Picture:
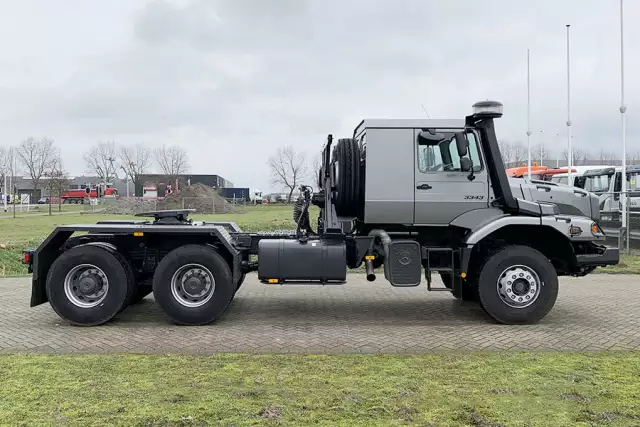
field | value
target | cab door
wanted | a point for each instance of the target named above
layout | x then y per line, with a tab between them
442	190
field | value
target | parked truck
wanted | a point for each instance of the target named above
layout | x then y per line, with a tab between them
81	196
252	195
417	197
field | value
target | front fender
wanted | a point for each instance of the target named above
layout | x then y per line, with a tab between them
486	228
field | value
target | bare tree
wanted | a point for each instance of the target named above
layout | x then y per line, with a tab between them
506	150
4	166
58	180
541	152
100	160
36	156
173	161
135	162
287	168
315	166
579	156
606	156
519	154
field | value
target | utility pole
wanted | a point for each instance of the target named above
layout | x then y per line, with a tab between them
623	114
569	146
528	117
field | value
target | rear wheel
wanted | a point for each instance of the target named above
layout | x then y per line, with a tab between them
518	285
87	285
193	285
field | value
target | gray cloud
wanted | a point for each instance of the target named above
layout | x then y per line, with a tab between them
231	78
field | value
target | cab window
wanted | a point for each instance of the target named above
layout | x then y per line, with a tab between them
442	155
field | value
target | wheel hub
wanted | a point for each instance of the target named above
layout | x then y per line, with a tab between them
86	285
519	286
192	285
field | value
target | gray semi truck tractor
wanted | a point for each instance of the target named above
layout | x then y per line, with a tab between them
405	198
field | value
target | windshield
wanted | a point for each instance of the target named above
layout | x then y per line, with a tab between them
598	183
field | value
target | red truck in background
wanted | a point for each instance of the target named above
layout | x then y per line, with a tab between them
82	196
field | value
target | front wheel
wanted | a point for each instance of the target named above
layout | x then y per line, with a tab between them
518	285
193	285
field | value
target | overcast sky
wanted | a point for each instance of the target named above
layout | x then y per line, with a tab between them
233	80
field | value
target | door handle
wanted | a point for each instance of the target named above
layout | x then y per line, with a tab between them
580	193
543	187
424	187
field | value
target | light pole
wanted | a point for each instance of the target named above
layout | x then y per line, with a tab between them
528	117
569	147
541	147
623	114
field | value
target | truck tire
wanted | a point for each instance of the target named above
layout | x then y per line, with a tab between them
131	281
193	285
348	183
517	285
87	285
240	282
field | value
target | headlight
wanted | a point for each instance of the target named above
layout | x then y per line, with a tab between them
596	230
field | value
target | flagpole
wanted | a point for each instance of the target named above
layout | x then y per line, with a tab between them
569	147
623	114
528	116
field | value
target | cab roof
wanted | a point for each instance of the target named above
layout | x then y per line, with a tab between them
408	124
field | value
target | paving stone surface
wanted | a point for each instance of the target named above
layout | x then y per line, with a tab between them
593	313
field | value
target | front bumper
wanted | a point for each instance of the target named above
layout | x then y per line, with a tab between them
608	256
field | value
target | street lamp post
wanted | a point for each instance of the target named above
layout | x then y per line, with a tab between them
623	114
569	147
528	117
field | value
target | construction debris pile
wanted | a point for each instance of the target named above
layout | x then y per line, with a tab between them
200	197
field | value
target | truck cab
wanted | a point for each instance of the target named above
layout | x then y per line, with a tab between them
607	184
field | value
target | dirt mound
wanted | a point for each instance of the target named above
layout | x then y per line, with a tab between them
200	197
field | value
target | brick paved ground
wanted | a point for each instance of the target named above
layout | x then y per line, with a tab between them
598	312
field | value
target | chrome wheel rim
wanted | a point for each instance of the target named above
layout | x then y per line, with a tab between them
519	286
192	285
86	285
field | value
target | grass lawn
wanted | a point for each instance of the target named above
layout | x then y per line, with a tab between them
481	389
26	231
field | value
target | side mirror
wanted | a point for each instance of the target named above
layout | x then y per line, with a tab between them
465	164
461	143
430	138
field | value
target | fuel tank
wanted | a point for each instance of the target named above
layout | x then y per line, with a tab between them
291	260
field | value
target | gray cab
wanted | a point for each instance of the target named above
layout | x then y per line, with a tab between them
425	181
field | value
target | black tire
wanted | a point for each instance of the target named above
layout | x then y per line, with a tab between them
221	294
131	281
348	182
240	282
499	262
112	268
